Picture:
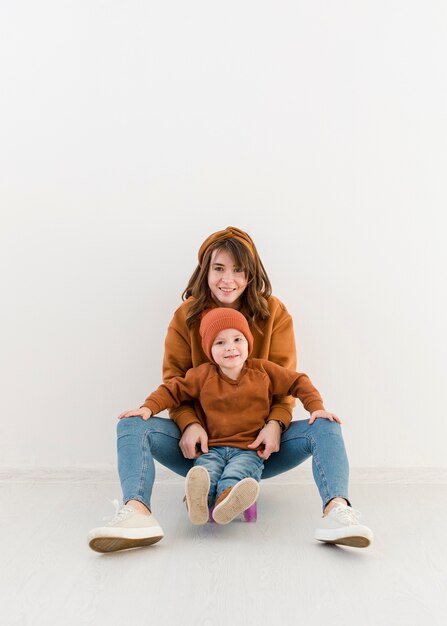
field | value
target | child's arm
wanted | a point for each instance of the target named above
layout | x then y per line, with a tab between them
300	386
170	394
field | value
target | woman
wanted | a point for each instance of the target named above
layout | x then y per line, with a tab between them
229	274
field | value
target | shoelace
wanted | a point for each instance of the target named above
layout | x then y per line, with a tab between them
120	513
347	515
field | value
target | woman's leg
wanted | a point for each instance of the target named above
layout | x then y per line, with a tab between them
139	442
323	441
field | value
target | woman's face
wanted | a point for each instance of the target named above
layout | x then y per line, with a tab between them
226	281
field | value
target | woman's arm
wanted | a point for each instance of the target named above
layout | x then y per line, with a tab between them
178	358
281	350
176	361
276	344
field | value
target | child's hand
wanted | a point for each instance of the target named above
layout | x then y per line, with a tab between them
324	414
144	412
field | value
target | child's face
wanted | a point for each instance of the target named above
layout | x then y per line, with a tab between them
226	281
230	349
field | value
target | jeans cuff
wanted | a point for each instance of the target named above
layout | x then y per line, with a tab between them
330	500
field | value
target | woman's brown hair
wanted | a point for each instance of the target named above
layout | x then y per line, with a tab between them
254	298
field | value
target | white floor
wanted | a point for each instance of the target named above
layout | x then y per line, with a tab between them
269	572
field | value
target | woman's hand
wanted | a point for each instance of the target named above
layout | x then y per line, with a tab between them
270	438
143	412
324	414
194	441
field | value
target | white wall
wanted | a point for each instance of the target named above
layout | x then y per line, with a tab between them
130	130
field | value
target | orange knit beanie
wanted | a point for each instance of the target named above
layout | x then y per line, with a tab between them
219	319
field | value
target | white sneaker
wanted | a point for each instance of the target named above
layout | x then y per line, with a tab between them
128	528
341	525
241	496
196	488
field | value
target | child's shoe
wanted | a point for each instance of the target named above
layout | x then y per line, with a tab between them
341	526
197	488
233	501
128	528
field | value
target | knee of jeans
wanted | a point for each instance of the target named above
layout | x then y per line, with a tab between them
326	427
127	425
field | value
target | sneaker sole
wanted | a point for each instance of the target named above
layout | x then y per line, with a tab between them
197	488
242	496
357	537
105	540
353	542
104	545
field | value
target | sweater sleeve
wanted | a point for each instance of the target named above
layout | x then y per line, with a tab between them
177	356
177	361
175	391
282	350
296	384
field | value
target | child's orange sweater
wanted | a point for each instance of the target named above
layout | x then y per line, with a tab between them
235	410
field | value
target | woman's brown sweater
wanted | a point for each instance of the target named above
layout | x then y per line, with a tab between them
183	350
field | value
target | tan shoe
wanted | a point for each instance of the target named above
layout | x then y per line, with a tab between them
197	488
240	497
127	529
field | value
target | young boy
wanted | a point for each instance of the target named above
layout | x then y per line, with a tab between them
235	394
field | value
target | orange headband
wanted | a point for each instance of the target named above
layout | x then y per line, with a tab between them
229	233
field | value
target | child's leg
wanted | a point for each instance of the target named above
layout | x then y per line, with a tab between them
214	463
197	487
240	464
238	488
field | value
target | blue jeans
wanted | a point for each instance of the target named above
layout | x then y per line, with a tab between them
140	441
227	466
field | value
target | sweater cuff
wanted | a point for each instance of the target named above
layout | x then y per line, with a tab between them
280	415
152	406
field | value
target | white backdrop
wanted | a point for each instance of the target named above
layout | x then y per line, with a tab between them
130	130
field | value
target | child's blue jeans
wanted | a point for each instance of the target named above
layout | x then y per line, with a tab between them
140	442
227	466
